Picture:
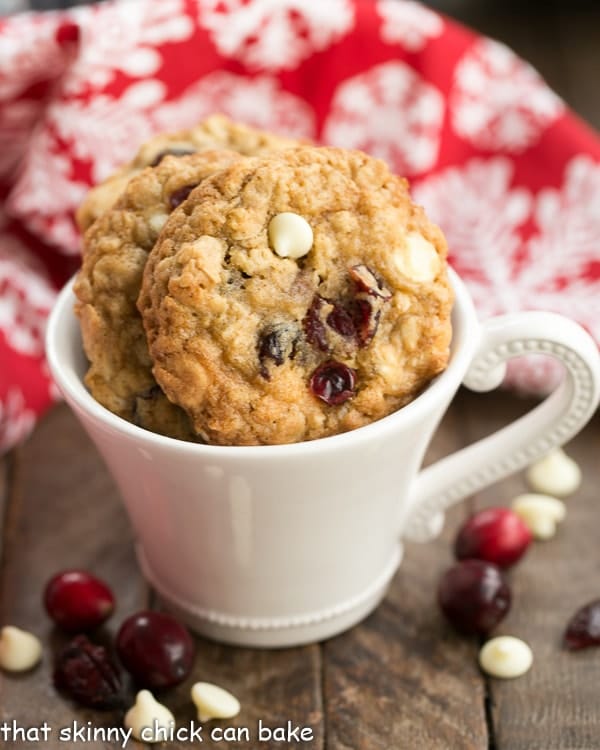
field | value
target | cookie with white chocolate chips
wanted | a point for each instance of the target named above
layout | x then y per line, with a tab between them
107	286
214	132
296	297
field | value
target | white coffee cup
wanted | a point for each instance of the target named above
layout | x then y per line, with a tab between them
281	545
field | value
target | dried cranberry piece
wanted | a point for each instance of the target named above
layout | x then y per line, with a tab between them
366	320
314	327
366	281
178	196
170	152
277	343
333	382
270	346
368	302
88	674
358	319
341	321
583	629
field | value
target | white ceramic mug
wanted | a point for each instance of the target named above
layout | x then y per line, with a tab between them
280	545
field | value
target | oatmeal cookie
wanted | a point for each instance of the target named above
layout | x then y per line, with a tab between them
296	297
107	286
213	133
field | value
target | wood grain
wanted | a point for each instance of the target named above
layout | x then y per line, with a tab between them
273	687
403	679
4	480
63	512
554	706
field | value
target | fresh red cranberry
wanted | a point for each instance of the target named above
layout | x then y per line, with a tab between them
170	152
88	674
333	382
155	649
474	596
178	196
76	600
497	535
583	629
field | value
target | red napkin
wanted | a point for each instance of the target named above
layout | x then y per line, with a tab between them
512	176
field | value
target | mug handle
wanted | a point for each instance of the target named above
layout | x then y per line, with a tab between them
547	426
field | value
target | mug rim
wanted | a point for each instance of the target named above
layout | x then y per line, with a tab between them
72	387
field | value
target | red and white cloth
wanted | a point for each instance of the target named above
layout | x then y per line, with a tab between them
511	175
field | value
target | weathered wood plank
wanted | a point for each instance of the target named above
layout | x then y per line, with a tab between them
63	512
5	462
555	706
402	679
273	687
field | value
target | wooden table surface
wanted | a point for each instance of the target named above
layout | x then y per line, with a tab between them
402	680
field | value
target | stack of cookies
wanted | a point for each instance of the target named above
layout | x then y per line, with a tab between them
242	288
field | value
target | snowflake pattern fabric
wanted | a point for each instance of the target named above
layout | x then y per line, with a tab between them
274	34
29	46
498	101
26	297
124	38
555	266
480	212
409	113
409	23
511	175
259	101
562	272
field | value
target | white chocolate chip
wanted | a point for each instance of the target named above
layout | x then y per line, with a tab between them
540	513
157	222
555	474
19	650
505	657
391	366
213	702
418	259
147	716
290	235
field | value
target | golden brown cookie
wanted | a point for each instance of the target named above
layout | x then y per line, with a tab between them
349	325
107	286
213	133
